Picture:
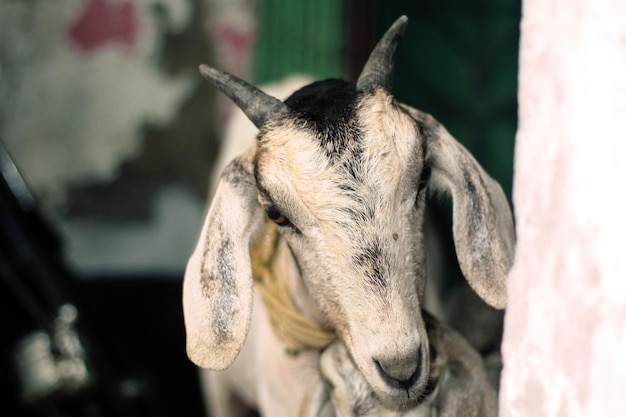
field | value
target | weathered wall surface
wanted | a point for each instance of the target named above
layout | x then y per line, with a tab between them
105	113
80	79
565	329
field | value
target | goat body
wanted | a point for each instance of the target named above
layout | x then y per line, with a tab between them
342	170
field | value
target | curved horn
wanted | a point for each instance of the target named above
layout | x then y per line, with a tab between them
378	70
256	105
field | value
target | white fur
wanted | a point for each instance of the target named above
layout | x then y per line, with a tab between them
359	251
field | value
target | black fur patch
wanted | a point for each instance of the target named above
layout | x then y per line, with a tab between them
328	108
353	163
373	261
237	172
475	213
221	283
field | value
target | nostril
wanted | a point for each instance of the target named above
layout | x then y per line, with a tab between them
400	373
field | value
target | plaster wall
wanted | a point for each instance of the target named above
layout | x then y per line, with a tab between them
565	326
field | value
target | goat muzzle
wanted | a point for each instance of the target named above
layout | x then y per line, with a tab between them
401	373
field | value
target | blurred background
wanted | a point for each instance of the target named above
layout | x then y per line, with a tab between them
108	135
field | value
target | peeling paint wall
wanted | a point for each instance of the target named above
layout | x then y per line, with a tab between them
565	329
80	79
104	112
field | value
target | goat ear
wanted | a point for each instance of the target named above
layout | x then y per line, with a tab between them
484	235
218	287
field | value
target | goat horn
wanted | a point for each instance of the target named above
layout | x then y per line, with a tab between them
378	70
258	106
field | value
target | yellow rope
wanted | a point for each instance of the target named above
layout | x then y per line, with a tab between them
297	331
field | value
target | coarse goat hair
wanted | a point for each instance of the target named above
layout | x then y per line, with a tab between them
338	174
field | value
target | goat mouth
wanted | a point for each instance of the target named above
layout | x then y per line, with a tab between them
403	394
404	398
400	392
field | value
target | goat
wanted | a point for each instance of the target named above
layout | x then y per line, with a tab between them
341	170
458	385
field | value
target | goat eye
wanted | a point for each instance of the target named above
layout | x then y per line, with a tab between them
424	178
277	217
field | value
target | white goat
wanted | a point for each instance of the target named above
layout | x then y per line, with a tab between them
458	385
341	169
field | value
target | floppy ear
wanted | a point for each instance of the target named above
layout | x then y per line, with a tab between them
484	235
218	287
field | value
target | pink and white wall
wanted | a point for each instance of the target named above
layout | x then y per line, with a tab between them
565	328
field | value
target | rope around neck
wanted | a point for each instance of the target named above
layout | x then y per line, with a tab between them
294	329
